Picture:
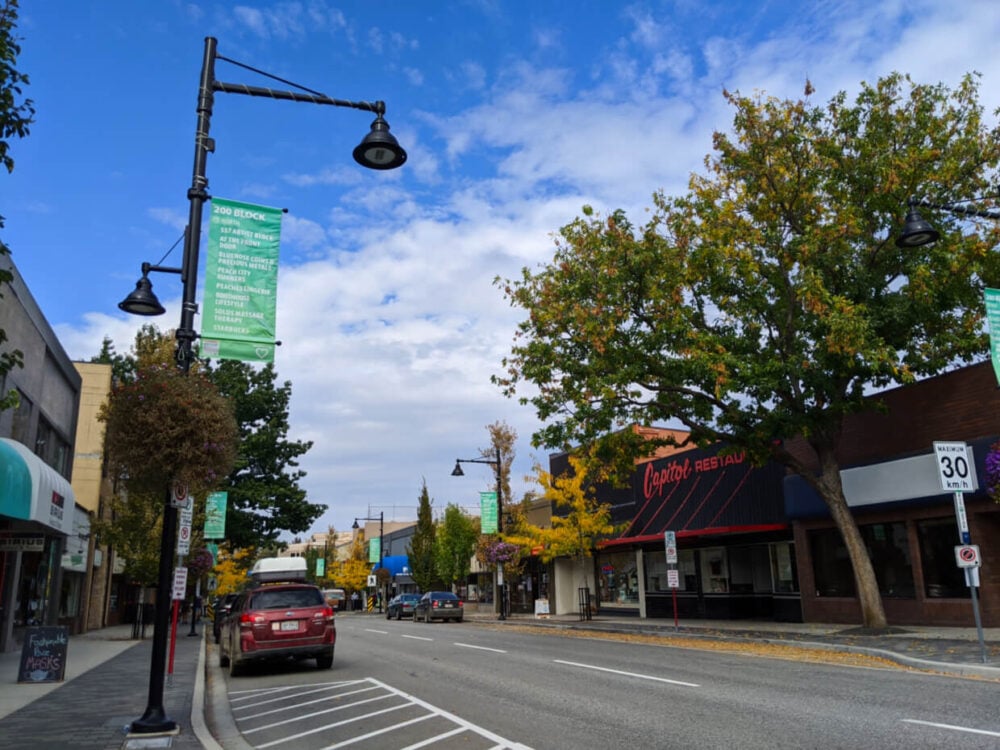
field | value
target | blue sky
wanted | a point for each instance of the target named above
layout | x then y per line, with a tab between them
514	115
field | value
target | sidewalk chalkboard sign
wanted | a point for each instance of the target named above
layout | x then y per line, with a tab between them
43	655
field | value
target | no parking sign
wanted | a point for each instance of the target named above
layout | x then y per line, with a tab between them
967	556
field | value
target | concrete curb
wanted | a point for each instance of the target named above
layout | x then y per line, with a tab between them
198	725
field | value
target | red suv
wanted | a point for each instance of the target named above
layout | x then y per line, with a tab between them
278	621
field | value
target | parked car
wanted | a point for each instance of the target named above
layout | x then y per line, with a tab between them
279	617
401	606
336	598
438	605
220	609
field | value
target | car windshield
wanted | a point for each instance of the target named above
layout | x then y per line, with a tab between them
284	598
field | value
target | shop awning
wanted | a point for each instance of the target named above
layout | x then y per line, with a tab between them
31	490
394	564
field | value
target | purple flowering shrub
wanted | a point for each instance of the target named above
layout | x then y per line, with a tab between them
993	472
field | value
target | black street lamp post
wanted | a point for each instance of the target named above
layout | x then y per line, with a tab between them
381	550
378	150
916	233
498	469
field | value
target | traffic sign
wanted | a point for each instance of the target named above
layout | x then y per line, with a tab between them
955	469
673	579
184	532
179	497
967	556
670	541
180	583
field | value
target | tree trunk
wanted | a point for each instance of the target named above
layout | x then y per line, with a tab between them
832	491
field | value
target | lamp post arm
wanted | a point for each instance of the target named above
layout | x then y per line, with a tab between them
956	209
241	88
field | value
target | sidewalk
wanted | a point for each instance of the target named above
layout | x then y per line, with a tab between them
107	675
106	687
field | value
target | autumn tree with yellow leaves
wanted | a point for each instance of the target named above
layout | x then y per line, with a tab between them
579	521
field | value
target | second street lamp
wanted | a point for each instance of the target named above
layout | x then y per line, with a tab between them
377	150
498	469
381	550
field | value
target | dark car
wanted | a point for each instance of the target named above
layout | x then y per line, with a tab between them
220	609
438	605
401	606
278	621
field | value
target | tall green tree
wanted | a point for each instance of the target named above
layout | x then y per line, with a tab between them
768	300
420	550
264	494
16	115
455	544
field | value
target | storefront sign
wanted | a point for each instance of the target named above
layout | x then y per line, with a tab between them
43	655
22	543
241	279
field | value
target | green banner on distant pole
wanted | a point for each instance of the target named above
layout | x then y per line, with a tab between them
488	512
215	515
320	567
241	280
374	550
993	316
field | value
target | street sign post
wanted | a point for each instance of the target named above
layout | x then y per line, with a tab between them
957	472
673	576
184	532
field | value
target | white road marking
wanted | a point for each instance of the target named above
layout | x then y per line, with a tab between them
324	699
373	630
481	648
501	742
952	727
405	701
626	674
417	637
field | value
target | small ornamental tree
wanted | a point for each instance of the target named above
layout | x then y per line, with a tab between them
168	426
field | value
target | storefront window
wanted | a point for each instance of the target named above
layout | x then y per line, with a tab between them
749	570
942	577
715	570
618	579
889	552
784	574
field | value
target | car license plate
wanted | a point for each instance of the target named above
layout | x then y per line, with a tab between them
286	625
447	604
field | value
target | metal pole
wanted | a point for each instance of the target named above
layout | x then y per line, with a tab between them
381	554
964	537
155	719
501	586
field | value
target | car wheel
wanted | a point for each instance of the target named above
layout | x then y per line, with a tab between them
399	614
324	661
223	656
388	615
235	668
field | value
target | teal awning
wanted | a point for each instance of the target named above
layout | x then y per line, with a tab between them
31	490
15	483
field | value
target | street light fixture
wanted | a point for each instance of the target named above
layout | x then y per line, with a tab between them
381	551
378	150
917	232
498	469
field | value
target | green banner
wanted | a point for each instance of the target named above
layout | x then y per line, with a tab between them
241	280
488	512
320	567
215	515
213	550
374	550
993	316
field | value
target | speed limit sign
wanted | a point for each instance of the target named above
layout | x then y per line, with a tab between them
967	556
956	470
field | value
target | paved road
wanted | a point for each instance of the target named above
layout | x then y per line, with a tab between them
460	685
